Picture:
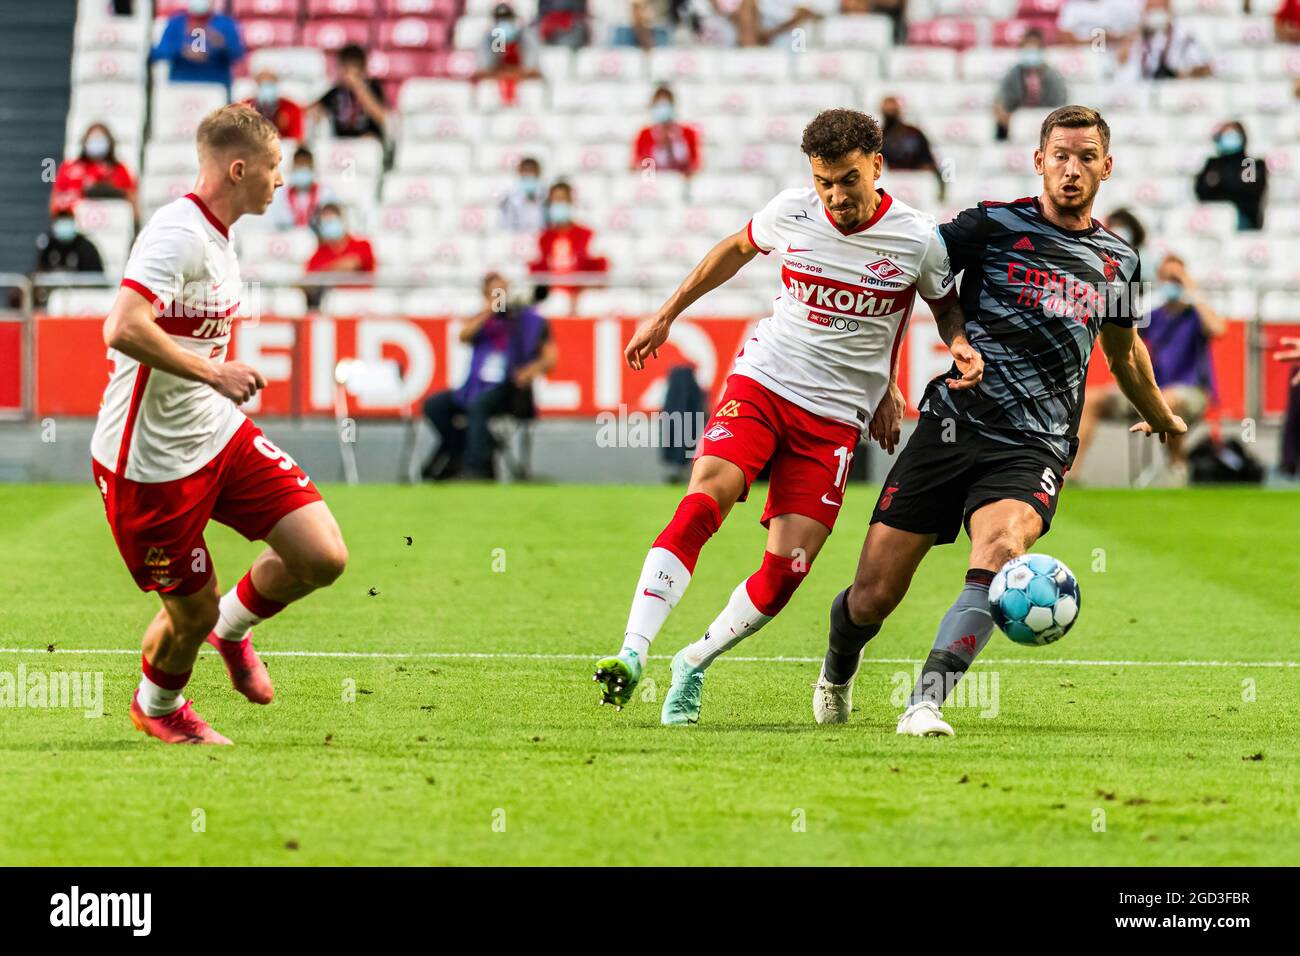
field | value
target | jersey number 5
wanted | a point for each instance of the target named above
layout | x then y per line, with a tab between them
1048	481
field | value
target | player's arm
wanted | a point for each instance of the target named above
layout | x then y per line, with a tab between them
951	322
130	329
720	263
1130	363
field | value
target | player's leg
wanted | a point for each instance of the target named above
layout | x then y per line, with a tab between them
739	440
266	496
793	542
170	647
716	484
999	531
886	566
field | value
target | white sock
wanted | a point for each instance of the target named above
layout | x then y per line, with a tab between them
738	620
157	701
661	585
233	619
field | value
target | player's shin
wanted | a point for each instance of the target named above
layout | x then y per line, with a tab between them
753	603
241	607
963	633
160	692
667	569
845	643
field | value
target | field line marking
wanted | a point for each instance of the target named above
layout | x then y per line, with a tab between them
779	659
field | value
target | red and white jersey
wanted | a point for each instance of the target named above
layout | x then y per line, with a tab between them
153	426
832	339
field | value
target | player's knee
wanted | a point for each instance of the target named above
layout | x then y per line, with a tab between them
325	565
999	549
871	603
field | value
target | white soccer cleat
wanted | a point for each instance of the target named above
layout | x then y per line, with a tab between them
832	703
924	719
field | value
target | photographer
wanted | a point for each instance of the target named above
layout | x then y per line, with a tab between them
512	347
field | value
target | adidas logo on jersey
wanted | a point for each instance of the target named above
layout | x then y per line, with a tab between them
1023	244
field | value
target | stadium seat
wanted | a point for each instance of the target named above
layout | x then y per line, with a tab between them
66	303
110	224
258	300
445	156
756	66
1278	62
869	32
509	249
593	63
808	99
504	157
397	66
1200	221
339	303
689	65
170	158
326	9
847	66
110	33
303	64
269	33
178	108
414	33
953	33
1011	33
529	97
108	66
1203	97
610	157
983	9
920	63
292	246
1079	64
446	300
438	9
422	96
987	64
156	191
255	9
334	34
1280	305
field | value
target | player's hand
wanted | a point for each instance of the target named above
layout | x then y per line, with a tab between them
886	425
1175	426
237	381
650	334
969	363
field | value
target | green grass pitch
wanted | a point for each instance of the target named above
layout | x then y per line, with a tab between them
447	758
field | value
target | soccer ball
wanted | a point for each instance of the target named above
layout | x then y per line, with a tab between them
1034	599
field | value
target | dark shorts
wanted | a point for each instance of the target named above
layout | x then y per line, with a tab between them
935	485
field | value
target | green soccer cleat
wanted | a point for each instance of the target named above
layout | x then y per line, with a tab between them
618	677
682	704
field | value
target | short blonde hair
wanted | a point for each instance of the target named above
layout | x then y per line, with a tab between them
235	126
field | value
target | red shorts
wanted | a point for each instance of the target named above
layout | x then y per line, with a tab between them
810	454
249	486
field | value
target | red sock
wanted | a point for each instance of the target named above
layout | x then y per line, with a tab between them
775	581
162	678
694	522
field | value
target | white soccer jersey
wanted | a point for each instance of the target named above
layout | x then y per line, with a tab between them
833	337
153	426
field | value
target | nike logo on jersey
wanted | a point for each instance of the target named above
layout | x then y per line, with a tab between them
790	248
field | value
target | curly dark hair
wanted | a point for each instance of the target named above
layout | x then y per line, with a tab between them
833	134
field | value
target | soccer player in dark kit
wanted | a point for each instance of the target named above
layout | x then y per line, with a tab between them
1041	281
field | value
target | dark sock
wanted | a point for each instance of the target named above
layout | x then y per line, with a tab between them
963	632
844	649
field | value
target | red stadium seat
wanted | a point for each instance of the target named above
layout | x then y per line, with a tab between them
1040	9
327	9
958	34
165	8
260	9
334	34
260	33
414	33
1011	32
398	65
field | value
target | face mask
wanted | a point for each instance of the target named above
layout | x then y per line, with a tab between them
64	229
1229	141
559	213
331	230
1031	56
662	112
890	119
96	145
268	93
1169	292
200	8
302	178
1156	20
529	185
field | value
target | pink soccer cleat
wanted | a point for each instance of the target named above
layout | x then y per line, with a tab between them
179	727
246	670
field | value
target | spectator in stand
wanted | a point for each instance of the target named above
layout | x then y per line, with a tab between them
666	144
905	147
1031	84
339	250
651	24
1232	176
95	174
522	209
285	114
1128	227
1086	21
1163	49
772	22
1286	22
507	53
201	46
564	246
563	23
63	249
1178	335
512	348
303	197
355	104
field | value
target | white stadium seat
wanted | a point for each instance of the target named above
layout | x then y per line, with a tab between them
80	302
293	246
846	66
871	32
685	65
304	64
756	66
594	63
922	63
418	189
108	66
170	159
178	108
422	96
445	156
